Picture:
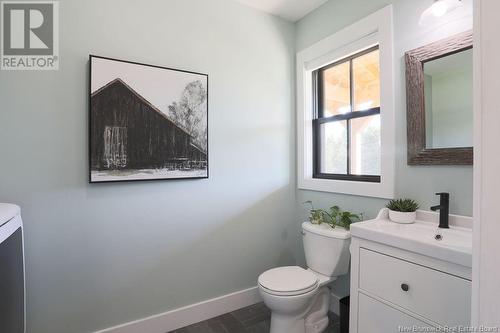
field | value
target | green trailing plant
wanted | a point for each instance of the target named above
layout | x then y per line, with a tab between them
403	205
316	216
335	216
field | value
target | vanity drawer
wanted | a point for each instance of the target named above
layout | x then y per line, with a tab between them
376	317
440	297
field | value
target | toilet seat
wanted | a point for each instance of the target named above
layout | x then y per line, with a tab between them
288	281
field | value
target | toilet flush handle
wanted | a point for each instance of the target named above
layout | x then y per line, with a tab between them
302	232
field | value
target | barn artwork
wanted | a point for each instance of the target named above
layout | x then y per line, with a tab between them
146	122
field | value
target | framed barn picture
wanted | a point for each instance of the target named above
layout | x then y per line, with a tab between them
146	122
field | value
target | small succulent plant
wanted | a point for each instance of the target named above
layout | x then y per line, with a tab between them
403	205
334	217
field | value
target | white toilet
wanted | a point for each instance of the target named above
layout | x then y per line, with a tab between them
299	299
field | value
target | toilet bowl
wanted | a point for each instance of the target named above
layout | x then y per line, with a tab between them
299	299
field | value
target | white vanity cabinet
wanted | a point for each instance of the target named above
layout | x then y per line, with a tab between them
400	290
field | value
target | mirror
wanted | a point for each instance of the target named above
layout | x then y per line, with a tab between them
448	101
439	102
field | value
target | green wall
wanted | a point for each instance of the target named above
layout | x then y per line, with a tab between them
104	254
451	110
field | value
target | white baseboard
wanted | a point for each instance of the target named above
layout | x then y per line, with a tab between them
175	319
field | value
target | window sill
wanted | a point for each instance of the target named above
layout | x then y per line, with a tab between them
351	178
361	188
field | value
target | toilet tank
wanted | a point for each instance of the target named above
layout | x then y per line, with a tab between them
326	248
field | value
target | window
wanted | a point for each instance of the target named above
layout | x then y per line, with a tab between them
345	110
346	126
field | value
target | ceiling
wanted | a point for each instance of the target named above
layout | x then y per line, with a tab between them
290	10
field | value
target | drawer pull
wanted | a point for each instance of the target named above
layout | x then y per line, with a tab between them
405	287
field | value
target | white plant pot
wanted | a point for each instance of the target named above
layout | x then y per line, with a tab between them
402	217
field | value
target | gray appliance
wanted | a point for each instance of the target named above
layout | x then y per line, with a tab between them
12	285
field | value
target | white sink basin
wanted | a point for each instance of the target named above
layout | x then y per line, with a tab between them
423	237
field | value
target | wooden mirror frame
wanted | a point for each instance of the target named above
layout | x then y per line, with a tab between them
418	153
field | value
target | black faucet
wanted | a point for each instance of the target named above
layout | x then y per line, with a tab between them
444	209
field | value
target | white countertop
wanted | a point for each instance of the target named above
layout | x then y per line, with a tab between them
455	245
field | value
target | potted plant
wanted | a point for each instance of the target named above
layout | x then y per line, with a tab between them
334	217
402	210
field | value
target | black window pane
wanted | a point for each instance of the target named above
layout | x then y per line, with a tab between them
333	143
336	90
365	145
366	77
348	143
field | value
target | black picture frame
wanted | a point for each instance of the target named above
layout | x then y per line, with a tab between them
186	159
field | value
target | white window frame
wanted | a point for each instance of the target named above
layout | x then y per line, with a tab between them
367	32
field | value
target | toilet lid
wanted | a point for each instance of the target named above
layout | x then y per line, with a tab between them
288	281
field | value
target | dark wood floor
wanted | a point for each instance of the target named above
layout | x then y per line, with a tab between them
252	319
